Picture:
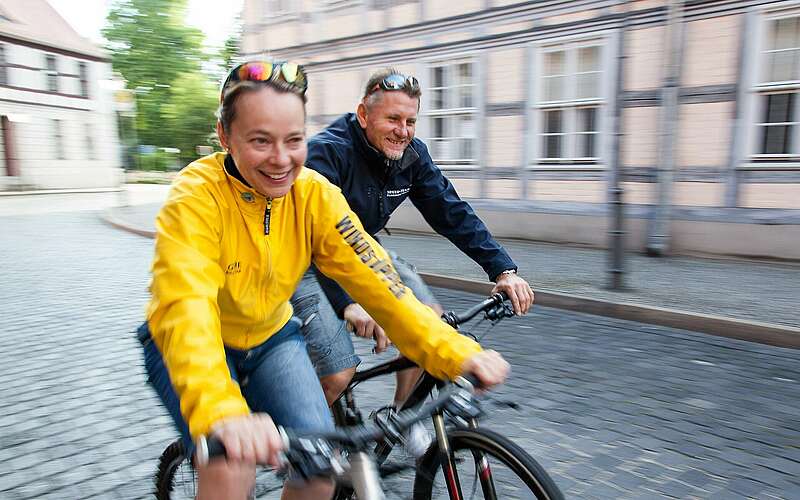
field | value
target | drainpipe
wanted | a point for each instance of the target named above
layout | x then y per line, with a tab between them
616	235
658	235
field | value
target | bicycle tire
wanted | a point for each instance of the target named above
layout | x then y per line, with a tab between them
498	448
169	461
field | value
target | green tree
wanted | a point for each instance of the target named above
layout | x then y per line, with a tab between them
189	116
152	47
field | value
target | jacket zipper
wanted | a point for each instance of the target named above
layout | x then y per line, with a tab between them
267	215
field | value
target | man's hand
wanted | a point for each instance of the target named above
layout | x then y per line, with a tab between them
250	438
366	327
518	290
488	366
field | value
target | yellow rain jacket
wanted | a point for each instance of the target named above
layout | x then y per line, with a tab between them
226	262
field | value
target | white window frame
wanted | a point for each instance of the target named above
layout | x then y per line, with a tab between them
569	105
759	88
4	80
289	10
51	75
83	79
339	4
449	110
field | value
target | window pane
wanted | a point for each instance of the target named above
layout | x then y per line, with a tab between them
437	99
465	97
465	127
777	139
465	149
554	63
554	88
438	127
586	145
552	146
552	121
465	73
588	59
588	85
586	119
785	33
781	66
438	76
779	108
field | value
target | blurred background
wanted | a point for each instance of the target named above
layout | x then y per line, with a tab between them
686	112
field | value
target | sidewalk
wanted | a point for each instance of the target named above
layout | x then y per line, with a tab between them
749	300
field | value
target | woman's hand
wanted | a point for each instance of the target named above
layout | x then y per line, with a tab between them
250	438
489	368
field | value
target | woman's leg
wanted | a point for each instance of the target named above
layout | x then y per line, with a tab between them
279	379
219	479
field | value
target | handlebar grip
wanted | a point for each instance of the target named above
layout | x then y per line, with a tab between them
469	381
208	448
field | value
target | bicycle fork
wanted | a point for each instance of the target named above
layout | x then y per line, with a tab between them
447	459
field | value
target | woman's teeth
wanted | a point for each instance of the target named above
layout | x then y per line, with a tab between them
277	177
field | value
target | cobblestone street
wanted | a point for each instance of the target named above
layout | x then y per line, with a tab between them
612	408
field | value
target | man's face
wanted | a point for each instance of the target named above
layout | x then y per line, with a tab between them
267	140
390	122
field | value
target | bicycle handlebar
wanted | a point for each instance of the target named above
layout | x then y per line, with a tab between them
489	306
455	398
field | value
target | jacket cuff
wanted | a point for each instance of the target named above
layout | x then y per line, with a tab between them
496	270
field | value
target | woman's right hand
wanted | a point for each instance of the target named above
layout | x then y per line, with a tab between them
488	366
250	438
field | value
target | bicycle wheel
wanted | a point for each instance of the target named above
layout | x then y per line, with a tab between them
511	472
175	478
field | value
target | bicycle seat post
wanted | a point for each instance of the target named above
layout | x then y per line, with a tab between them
365	478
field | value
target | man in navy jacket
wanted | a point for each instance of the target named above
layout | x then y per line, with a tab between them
373	156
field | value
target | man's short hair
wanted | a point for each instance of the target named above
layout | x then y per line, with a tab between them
374	81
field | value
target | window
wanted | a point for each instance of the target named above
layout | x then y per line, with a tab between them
570	99
58	140
3	67
52	73
777	90
452	113
83	74
278	8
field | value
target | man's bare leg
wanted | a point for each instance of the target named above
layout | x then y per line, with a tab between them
334	385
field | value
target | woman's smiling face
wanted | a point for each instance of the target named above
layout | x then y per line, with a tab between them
267	139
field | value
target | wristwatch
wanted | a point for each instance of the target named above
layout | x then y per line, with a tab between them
507	271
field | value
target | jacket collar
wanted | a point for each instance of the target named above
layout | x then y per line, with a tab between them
375	157
248	197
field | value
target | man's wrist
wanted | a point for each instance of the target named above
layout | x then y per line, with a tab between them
504	273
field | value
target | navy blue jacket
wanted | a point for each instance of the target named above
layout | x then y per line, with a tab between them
375	186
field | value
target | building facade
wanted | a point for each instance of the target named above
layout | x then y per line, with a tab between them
58	124
543	108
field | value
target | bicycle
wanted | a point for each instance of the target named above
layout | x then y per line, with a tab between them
501	468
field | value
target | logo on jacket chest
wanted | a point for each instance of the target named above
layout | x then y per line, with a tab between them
234	268
392	193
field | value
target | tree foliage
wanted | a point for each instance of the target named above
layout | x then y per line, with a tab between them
189	116
152	48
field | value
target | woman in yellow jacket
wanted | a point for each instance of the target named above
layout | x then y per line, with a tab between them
234	238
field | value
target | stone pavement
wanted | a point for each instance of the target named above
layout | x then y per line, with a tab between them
613	409
759	291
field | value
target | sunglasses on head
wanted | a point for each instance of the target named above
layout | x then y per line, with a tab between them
260	71
396	81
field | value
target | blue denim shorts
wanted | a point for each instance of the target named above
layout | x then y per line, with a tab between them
330	346
275	377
